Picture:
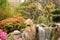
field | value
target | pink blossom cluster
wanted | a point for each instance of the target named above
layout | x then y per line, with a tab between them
3	35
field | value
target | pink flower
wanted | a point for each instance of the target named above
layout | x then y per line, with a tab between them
3	35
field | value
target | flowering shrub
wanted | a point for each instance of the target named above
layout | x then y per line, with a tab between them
13	20
3	35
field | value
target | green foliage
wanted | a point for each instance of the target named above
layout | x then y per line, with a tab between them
56	15
55	11
29	10
43	19
4	4
9	26
21	25
5	11
47	13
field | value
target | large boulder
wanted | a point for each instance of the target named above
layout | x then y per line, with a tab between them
29	32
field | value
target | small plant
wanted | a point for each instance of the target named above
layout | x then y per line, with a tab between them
9	27
56	11
21	25
12	27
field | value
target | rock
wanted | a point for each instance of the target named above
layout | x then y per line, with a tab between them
29	33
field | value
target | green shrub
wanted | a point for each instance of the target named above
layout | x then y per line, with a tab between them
9	26
56	12
12	27
21	25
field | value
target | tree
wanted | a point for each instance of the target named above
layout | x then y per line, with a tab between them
28	9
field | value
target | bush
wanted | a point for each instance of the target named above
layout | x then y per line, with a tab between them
9	27
12	27
56	12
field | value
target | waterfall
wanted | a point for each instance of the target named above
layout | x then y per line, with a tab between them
44	32
41	33
47	33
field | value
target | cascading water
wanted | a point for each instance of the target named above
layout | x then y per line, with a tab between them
41	32
47	33
44	32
